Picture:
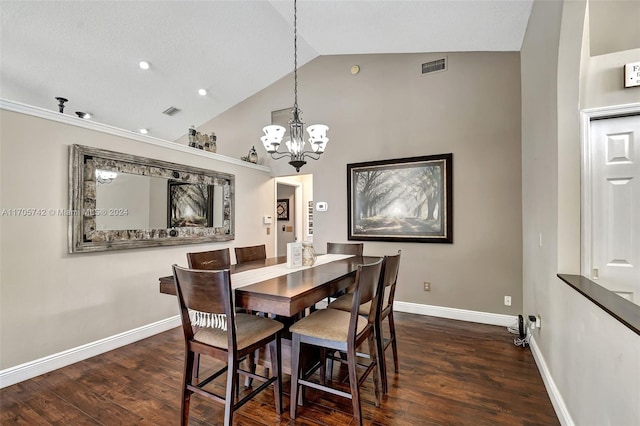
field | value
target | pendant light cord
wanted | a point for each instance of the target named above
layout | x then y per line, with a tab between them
295	55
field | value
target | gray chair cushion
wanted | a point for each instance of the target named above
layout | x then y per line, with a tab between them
249	329
344	304
328	324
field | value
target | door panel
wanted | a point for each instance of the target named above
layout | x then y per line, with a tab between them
615	248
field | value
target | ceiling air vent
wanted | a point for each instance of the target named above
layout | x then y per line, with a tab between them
434	66
170	110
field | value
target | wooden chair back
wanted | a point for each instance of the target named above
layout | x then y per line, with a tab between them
356	249
205	291
388	280
212	260
365	290
248	254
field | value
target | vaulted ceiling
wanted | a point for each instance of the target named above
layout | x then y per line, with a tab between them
88	51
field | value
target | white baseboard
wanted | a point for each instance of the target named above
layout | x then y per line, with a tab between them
40	366
554	394
457	314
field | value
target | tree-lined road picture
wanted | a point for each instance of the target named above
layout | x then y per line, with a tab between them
405	199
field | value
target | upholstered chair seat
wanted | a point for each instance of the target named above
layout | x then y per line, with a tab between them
328	324
344	303
249	329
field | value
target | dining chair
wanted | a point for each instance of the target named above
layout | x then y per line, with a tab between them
213	259
336	330
248	254
211	327
210	260
386	290
356	249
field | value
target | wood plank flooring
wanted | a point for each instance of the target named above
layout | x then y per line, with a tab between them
451	373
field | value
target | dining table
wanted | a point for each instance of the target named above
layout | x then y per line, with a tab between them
269	286
292	290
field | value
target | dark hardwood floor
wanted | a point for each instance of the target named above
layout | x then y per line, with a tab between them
451	373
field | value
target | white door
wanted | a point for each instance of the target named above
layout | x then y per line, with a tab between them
615	204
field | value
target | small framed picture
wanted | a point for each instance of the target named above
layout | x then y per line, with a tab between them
282	209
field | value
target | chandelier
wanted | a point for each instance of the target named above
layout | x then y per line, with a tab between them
105	176
274	134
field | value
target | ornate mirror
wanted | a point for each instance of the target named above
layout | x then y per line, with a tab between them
120	201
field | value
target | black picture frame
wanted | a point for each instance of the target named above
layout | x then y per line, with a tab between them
282	209
404	200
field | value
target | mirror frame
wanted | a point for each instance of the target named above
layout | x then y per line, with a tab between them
83	235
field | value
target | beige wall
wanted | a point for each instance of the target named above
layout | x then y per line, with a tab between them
614	26
66	300
390	110
592	358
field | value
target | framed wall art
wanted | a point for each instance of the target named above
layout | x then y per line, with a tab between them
407	199
188	205
282	209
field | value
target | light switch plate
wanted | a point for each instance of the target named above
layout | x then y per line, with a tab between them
322	206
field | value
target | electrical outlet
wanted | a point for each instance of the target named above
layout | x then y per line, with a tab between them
507	301
534	322
427	286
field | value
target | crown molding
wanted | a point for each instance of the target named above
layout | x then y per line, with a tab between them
46	114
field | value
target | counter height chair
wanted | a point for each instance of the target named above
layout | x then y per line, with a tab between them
336	330
387	291
356	249
211	327
248	254
212	260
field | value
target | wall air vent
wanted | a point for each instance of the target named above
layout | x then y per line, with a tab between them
171	111
434	66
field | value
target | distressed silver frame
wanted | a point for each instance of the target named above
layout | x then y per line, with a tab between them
83	235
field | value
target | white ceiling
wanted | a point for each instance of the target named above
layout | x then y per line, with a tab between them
88	51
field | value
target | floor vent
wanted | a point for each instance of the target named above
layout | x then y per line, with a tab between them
434	66
170	110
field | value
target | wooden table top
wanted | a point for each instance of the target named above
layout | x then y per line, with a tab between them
289	294
167	286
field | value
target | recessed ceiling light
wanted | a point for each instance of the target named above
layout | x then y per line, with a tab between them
84	115
144	65
144	131
202	92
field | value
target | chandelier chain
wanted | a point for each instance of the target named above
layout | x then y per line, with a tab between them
295	55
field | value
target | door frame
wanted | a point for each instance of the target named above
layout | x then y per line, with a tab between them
297	209
586	175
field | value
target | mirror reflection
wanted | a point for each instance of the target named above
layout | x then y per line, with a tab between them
141	200
146	202
125	201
